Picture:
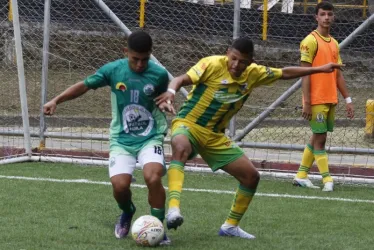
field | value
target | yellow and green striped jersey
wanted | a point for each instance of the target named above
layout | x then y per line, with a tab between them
216	96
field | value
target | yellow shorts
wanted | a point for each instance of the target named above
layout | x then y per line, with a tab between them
323	117
216	149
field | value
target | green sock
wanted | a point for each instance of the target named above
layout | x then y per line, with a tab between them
159	213
128	207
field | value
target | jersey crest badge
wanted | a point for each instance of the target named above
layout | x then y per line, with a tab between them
269	72
149	89
320	118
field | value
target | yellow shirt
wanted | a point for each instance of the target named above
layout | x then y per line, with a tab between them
216	96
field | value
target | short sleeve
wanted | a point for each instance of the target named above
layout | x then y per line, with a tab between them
308	49
99	79
264	75
163	81
201	71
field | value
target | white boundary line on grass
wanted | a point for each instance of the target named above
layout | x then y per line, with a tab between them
85	181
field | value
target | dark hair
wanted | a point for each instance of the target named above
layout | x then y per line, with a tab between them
140	41
325	6
243	45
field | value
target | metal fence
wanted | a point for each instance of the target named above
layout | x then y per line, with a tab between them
80	36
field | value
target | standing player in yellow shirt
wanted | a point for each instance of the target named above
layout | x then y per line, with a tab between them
320	95
221	85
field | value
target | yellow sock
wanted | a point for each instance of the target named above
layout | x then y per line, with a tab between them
175	182
323	165
240	204
306	162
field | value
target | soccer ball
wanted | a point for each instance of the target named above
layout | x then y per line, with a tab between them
148	231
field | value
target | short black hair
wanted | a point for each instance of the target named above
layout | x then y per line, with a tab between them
140	41
325	5
243	45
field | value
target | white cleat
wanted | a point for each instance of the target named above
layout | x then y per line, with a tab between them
165	241
304	183
329	187
174	218
234	231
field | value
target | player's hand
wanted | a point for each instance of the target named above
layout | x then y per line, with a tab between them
350	111
330	67
167	107
307	112
165	97
49	108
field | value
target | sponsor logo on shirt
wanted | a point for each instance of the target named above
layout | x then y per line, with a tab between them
224	97
304	48
121	86
137	120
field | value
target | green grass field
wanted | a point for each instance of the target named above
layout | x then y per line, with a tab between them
39	213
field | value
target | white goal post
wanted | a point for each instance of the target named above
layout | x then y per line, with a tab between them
60	42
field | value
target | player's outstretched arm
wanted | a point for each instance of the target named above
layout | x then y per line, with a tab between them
70	93
295	72
174	86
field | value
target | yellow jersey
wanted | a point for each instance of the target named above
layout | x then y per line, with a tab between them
216	96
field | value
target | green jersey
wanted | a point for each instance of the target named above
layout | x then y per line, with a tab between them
135	116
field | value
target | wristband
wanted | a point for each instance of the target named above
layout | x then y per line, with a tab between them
348	100
171	91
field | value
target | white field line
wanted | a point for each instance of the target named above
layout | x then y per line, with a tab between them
190	189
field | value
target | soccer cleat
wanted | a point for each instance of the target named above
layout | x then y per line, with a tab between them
234	231
304	183
123	225
174	218
329	187
165	241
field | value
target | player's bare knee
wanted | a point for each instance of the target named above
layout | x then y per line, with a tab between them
251	180
320	141
180	152
120	185
254	179
152	180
